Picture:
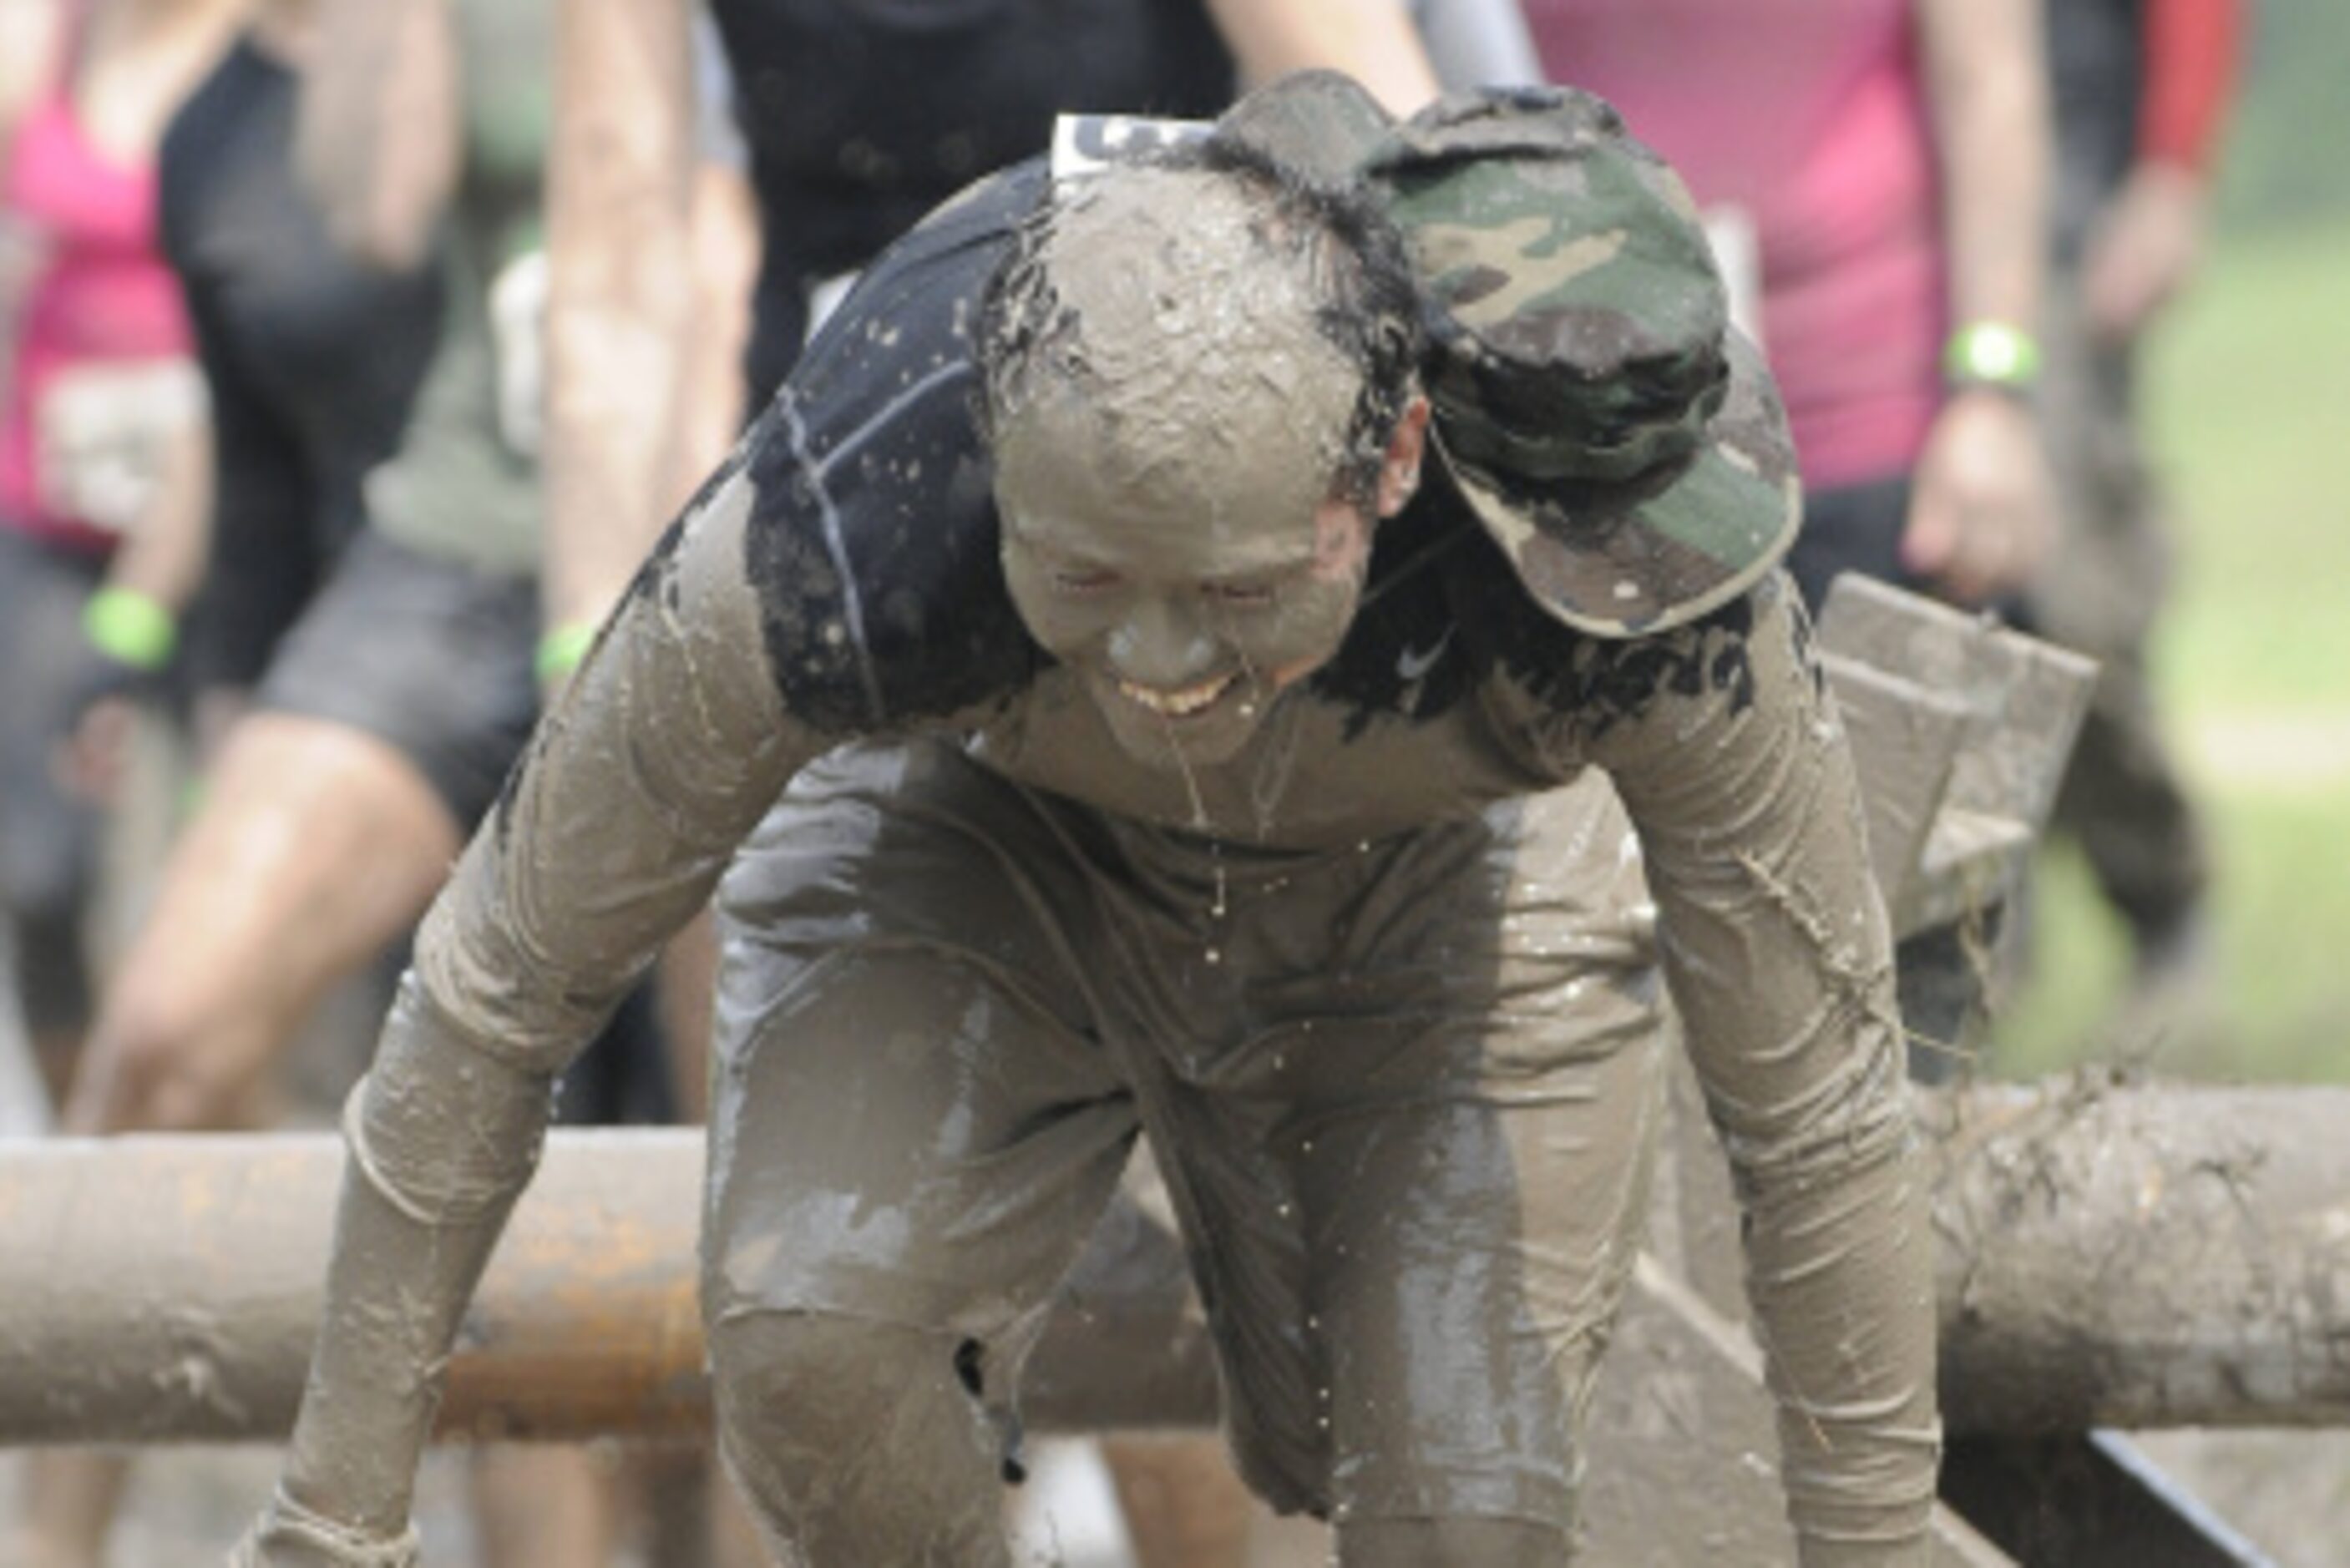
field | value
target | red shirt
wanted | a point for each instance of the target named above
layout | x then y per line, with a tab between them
2189	75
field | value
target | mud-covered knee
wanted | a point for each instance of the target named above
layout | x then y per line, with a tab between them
809	1380
1454	1542
856	1441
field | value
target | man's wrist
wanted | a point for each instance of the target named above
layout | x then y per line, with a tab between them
289	1533
1994	356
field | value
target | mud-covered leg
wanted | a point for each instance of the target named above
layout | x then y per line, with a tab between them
910	1139
855	1442
912	1132
1465	1315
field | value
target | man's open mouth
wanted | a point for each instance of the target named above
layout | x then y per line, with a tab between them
1180	704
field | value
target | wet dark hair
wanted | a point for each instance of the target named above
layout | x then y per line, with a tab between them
1372	315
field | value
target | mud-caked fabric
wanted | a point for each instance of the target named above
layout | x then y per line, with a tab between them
1732	763
1403	1095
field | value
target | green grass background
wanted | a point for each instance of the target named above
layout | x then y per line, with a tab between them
2249	408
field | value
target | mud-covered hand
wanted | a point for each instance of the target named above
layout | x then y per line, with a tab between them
2146	246
289	1535
1983	507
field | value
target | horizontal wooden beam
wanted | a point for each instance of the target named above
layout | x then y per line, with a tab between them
2111	1256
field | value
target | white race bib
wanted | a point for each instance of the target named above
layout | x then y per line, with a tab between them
1086	144
104	433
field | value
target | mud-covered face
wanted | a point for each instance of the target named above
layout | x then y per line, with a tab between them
1184	625
1188	604
1166	471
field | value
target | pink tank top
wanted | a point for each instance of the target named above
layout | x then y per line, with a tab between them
1811	117
103	378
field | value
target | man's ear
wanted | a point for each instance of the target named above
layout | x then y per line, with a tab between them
1399	469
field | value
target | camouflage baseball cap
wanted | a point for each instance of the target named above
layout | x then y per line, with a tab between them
1619	440
1624	445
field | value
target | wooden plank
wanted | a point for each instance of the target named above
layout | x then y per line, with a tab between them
2026	697
1905	739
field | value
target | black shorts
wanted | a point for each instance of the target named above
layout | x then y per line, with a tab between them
427	655
257	585
436	659
48	837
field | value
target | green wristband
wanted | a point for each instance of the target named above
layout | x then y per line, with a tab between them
1991	354
560	650
131	628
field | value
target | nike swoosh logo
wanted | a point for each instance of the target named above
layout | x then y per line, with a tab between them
1411	665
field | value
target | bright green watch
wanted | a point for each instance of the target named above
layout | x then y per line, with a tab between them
131	628
1994	354
561	649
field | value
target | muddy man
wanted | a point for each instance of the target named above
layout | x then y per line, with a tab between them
1159	667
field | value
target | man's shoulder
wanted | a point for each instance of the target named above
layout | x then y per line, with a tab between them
946	257
1596	683
872	539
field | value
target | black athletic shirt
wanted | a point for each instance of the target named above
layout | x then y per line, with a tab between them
311	360
862	115
872	544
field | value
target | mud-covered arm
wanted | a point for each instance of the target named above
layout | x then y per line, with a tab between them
1737	776
661	754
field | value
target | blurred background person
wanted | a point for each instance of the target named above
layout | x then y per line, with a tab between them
311	358
102	447
2141	91
390	713
1880	170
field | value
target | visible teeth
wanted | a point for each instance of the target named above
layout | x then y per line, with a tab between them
1189	700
